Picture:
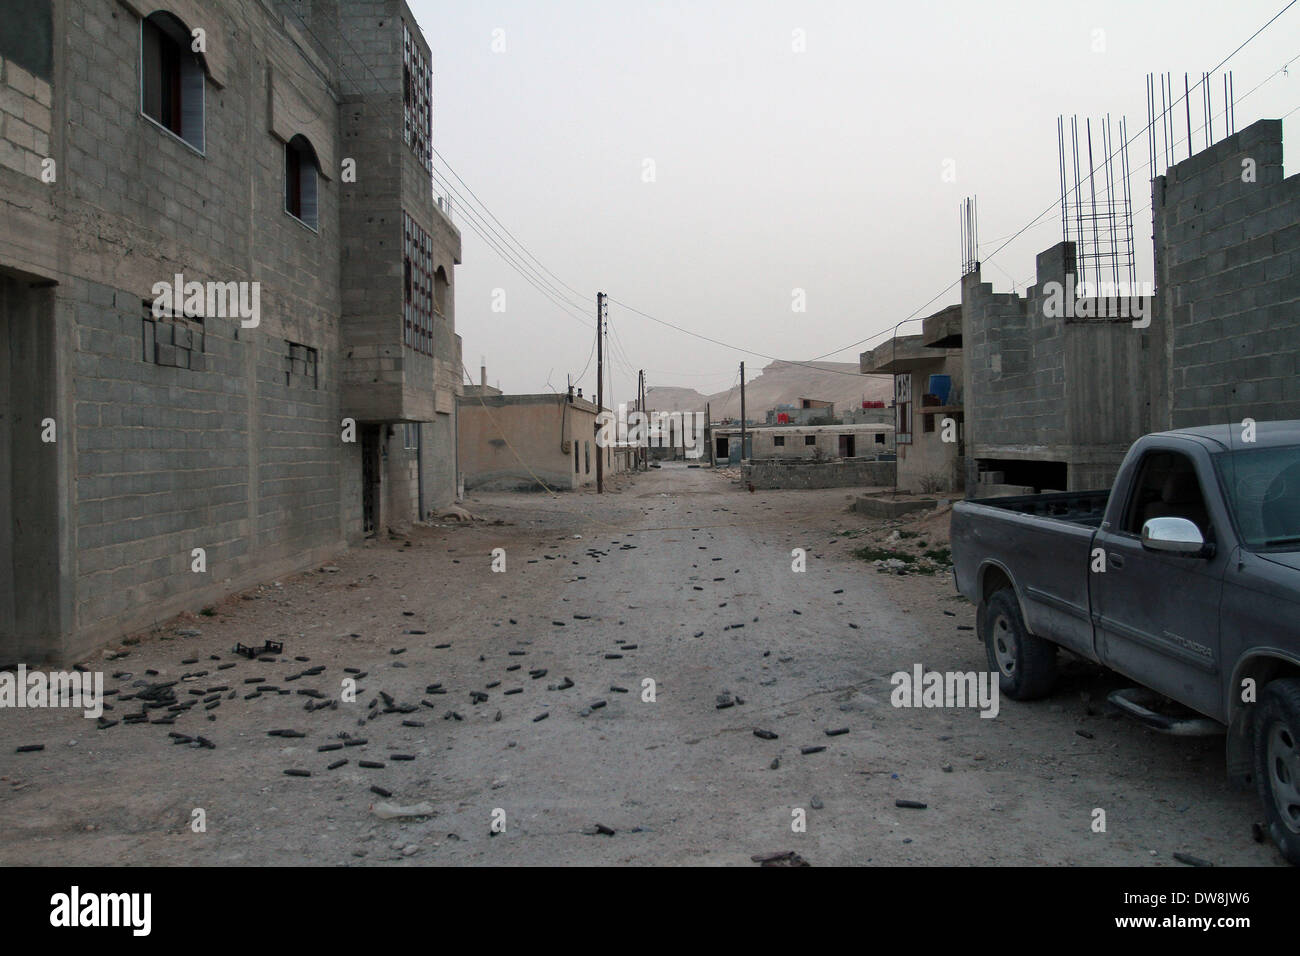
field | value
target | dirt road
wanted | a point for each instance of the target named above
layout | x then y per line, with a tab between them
680	577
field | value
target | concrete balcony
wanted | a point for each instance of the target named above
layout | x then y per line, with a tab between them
943	329
897	355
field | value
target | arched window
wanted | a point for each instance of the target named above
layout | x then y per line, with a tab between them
440	291
171	78
300	180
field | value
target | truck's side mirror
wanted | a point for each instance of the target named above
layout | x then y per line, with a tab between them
1173	536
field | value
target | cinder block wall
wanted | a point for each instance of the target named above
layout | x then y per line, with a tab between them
1228	266
235	450
232	455
1054	388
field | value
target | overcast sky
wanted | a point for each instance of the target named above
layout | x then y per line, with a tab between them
776	170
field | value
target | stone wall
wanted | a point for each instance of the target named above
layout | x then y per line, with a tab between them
845	473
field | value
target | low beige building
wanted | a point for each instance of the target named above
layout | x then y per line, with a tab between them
928	427
805	441
531	442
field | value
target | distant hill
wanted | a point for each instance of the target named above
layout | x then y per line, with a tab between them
780	383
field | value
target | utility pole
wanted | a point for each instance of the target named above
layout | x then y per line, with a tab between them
743	432
640	407
708	434
600	386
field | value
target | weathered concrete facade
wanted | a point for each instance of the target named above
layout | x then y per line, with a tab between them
1054	401
928	430
805	473
200	428
811	442
528	442
1227	230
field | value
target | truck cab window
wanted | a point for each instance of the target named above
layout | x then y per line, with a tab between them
1167	487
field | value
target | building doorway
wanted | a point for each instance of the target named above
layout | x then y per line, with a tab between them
30	583
370	472
846	446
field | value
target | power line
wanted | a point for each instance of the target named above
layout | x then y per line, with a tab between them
580	295
726	345
1055	202
516	263
912	317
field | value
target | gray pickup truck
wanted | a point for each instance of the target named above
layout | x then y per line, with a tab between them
1184	577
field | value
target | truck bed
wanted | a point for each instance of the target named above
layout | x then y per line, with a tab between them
1077	507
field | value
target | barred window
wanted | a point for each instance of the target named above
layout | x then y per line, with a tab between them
417	277
417	97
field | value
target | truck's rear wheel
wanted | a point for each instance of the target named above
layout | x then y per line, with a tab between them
1277	764
1026	665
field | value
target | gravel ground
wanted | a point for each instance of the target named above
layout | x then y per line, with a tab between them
681	577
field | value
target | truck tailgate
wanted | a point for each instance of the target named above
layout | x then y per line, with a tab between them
1046	558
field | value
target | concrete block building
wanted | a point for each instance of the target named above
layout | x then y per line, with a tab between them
928	426
1227	238
805	411
1054	401
270	161
532	442
810	442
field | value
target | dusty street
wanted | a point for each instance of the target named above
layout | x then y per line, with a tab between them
681	577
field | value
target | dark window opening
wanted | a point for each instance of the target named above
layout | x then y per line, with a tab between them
810	439
171	78
927	423
300	181
779	441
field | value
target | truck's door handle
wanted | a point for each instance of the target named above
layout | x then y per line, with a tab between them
1116	560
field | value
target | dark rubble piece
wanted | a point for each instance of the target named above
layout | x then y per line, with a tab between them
788	858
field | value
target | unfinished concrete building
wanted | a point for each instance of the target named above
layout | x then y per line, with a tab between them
1054	399
1054	396
929	416
1227	235
227	337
